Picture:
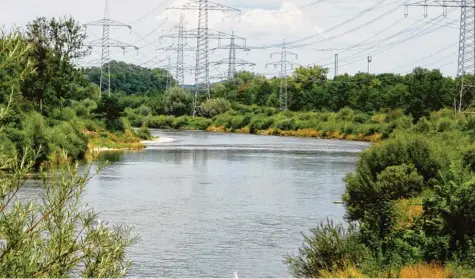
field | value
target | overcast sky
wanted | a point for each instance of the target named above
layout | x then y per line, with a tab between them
315	30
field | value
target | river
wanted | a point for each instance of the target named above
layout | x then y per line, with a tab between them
207	205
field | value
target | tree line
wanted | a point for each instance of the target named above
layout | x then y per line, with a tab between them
417	93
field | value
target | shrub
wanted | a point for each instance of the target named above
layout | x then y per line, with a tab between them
144	110
346	114
179	122
214	107
414	156
199	123
444	125
161	122
423	125
144	133
329	248
286	125
378	118
177	101
39	246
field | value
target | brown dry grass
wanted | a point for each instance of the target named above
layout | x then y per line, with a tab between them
349	272
424	271
407	211
307	133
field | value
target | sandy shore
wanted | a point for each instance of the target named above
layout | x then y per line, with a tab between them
144	142
159	140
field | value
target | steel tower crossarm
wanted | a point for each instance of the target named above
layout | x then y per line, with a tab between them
211	6
106	43
466	50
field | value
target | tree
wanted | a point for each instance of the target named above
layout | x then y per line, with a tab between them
110	111
56	44
53	235
213	107
177	101
132	79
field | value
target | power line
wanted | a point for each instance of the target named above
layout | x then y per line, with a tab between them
202	83
350	30
331	28
466	57
106	43
283	63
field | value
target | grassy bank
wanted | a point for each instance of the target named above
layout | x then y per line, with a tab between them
115	141
345	124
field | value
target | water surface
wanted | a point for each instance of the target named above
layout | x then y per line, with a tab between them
206	205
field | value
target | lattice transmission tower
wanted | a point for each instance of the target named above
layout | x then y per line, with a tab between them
284	65
180	57
179	46
466	51
202	84
106	43
232	61
193	34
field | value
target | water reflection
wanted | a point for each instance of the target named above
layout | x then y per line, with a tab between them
207	205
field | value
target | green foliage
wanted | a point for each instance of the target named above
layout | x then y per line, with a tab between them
56	235
213	107
109	110
329	248
450	214
55	44
144	133
132	79
404	150
177	101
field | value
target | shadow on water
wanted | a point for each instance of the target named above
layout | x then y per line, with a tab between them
111	157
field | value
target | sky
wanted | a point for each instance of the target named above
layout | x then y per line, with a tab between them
315	30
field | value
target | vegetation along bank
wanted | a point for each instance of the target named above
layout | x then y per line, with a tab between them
410	202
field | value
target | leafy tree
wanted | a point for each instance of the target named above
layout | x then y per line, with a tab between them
177	101
56	44
213	107
132	79
110	111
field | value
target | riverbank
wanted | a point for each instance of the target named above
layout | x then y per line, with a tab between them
344	125
104	141
301	133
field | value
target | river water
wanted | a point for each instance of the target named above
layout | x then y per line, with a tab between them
207	205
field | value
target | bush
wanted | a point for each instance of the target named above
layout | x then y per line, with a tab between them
180	122
144	133
199	123
110	111
329	248
161	122
346	114
213	107
286	125
409	150
144	110
177	101
423	126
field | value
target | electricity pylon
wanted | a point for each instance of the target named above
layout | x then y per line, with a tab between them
466	52
180	60
283	63
179	48
202	85
232	61
106	43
